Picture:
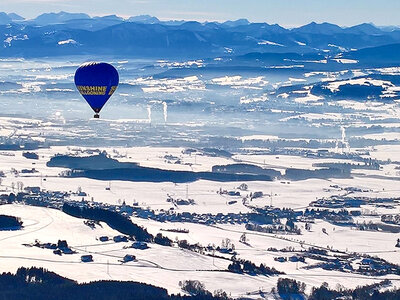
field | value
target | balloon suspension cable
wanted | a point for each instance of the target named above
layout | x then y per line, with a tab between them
96	116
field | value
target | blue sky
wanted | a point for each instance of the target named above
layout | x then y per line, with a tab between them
285	12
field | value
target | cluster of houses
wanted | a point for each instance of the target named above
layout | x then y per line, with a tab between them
172	216
59	248
62	248
180	201
89	258
350	202
391	219
349	263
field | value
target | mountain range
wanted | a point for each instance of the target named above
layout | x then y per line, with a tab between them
55	34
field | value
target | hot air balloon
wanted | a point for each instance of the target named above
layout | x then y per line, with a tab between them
96	82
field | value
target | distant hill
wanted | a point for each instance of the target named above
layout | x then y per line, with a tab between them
386	53
240	22
147	36
15	17
57	18
4	18
110	17
314	28
145	19
365	28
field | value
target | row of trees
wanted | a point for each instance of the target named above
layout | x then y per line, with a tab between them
367	292
116	221
291	289
10	222
113	219
275	228
40	284
198	289
246	266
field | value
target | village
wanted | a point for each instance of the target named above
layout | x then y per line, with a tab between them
270	220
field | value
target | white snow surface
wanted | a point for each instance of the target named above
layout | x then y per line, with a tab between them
166	266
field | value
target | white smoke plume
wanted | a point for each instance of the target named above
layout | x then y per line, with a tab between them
149	113
165	106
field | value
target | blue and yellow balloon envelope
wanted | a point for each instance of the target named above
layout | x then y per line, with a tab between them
96	82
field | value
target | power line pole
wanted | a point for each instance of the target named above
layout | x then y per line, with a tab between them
271	198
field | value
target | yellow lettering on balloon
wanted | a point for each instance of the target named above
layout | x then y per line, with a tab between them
87	90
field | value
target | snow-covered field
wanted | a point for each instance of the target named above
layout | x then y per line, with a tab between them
166	266
158	265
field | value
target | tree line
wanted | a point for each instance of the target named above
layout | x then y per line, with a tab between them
40	284
116	221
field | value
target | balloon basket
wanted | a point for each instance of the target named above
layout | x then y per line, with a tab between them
96	116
